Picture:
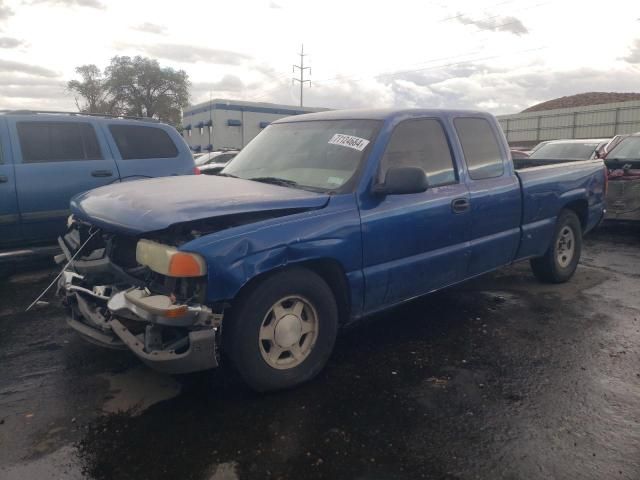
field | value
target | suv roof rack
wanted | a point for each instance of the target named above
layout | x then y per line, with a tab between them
104	115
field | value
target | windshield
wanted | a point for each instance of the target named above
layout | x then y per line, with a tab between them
215	157
203	159
317	155
566	151
627	149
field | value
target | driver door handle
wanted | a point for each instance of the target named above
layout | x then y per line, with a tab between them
3	179
102	173
460	205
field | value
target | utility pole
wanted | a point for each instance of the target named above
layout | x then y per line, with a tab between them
210	127
301	68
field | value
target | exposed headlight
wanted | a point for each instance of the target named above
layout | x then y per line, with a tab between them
69	220
169	261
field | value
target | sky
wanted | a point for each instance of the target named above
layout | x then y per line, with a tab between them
500	56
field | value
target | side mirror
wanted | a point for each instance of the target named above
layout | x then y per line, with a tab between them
402	180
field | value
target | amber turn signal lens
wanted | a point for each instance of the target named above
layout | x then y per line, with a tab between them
186	265
176	312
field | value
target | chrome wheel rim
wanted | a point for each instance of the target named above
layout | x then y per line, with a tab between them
565	247
288	332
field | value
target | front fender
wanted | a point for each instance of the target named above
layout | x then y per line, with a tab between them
237	255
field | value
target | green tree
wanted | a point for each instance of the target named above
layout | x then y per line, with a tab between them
145	89
135	86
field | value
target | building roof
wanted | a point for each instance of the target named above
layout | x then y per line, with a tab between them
227	104
583	100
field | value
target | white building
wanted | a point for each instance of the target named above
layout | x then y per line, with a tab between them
220	124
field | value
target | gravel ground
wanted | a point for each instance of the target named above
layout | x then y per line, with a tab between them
501	377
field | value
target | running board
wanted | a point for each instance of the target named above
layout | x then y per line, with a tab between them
7	256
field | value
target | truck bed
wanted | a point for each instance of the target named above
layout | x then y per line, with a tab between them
546	188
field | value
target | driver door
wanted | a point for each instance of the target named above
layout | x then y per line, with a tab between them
416	243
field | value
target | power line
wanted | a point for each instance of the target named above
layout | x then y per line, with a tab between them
301	68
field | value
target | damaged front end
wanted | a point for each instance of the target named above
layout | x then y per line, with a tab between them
139	294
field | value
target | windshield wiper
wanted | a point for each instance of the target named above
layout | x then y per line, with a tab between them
275	181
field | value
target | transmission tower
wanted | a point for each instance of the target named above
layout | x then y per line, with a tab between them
301	68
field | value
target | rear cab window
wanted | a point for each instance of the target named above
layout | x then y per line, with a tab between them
140	142
480	147
42	142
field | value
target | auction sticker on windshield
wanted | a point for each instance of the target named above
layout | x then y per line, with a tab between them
349	141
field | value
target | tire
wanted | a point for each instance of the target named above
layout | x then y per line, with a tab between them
281	331
560	261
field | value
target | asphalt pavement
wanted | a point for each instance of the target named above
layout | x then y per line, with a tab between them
502	377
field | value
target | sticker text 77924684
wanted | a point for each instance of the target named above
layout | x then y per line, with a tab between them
349	141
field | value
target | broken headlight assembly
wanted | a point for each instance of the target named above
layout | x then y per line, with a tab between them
169	261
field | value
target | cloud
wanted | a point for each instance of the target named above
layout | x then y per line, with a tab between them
10	66
18	79
33	91
506	91
495	24
8	42
20	91
469	86
74	3
228	83
193	54
5	12
151	28
634	54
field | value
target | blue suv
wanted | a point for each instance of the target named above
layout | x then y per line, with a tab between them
48	157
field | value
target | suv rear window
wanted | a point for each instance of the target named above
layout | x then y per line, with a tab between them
136	141
57	142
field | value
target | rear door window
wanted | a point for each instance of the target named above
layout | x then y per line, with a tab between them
57	142
137	141
480	147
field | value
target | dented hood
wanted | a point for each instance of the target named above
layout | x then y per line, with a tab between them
150	205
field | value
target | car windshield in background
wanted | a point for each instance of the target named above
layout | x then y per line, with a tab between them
203	159
627	150
215	157
565	151
315	155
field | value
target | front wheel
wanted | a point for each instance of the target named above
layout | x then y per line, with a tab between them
282	330
561	259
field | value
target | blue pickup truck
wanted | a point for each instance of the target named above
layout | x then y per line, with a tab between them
321	220
47	158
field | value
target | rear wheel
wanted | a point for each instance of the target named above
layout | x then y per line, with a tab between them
561	259
281	331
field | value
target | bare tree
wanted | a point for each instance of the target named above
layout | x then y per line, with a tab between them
90	93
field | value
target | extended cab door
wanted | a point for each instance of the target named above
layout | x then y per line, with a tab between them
56	158
495	195
415	243
9	218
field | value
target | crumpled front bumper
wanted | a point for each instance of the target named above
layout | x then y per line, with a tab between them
131	319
